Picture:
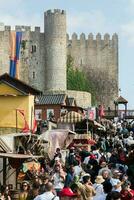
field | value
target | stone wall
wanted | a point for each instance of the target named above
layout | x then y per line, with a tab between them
4	49
32	55
83	99
99	59
43	57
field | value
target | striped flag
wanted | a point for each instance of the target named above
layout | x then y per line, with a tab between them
15	44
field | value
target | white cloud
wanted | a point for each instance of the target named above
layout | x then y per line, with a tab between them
9	3
130	7
127	30
16	12
93	21
22	18
131	2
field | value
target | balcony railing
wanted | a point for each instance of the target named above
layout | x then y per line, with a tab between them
120	114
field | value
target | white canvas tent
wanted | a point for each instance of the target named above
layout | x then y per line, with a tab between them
57	138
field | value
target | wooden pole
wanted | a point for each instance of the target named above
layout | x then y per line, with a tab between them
31	118
16	121
4	171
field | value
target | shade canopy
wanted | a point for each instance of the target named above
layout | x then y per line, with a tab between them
17	156
120	100
71	117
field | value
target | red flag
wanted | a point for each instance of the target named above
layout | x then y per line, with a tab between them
91	115
26	126
34	129
101	111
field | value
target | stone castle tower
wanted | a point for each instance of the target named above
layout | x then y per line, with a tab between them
55	50
43	57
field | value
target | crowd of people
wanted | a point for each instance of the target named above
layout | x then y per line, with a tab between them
103	172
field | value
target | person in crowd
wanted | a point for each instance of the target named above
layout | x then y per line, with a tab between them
126	193
37	179
34	191
104	167
115	181
107	188
5	193
98	186
48	194
71	158
114	195
84	153
85	189
58	178
58	153
109	168
106	175
25	187
45	180
70	176
89	170
67	194
114	156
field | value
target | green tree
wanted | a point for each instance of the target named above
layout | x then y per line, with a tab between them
77	80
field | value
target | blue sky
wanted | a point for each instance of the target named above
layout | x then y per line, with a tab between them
104	16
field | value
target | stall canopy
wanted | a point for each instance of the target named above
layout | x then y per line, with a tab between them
17	156
58	138
71	117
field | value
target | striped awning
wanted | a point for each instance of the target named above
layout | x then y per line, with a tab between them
71	117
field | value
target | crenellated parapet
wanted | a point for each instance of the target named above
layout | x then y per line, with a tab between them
55	12
20	28
93	41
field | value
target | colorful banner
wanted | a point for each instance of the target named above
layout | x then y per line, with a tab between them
26	126
15	45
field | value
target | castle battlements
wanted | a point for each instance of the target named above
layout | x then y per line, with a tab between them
43	56
55	12
97	40
20	28
82	36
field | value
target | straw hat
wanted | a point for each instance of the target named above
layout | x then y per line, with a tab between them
99	179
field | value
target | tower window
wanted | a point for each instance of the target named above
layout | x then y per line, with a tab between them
33	75
81	62
34	48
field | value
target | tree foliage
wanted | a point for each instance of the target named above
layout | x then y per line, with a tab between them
77	80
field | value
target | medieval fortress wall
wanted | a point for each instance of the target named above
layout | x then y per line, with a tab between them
43	57
98	57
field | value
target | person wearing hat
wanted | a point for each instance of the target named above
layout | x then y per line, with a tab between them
67	194
98	186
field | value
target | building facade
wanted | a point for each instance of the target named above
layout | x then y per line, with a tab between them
43	57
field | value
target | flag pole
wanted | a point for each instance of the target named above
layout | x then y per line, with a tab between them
16	121
87	119
31	118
